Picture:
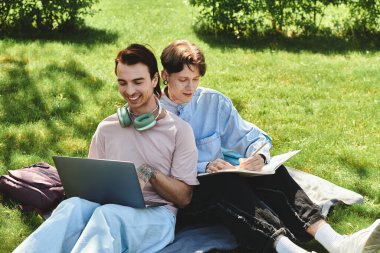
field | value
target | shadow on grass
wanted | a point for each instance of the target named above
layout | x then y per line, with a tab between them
314	44
239	104
362	170
56	93
24	102
30	218
360	167
82	36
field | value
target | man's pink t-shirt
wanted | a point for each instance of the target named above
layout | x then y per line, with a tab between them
169	147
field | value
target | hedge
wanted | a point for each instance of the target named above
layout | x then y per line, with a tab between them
243	18
43	14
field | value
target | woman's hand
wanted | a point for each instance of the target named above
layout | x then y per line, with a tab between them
218	164
255	162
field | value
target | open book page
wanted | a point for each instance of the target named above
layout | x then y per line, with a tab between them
268	169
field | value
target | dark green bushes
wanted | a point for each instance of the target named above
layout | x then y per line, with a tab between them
243	18
365	15
43	15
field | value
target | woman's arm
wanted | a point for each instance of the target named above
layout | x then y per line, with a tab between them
241	136
177	187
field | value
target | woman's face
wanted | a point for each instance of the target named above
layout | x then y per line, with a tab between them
182	85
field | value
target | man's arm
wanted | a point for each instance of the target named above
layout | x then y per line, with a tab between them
176	187
171	189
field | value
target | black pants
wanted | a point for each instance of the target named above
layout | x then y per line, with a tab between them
255	209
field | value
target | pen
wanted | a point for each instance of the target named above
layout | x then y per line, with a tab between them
257	150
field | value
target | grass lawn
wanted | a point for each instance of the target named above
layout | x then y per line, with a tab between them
320	95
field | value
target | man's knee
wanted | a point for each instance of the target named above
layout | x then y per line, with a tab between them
75	201
111	211
75	205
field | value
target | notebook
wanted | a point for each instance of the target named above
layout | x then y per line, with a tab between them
101	181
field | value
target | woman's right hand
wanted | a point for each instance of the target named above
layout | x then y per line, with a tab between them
218	164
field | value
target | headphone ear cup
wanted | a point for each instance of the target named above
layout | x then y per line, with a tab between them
123	116
144	122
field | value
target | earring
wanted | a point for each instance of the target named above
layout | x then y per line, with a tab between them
166	82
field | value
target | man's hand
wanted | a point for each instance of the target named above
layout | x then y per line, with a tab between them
171	189
218	164
255	162
142	184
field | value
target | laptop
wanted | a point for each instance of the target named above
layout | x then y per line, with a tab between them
101	181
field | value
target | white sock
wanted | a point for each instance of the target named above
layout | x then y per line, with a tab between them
284	245
328	237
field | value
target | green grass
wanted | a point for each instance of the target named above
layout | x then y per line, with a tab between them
320	95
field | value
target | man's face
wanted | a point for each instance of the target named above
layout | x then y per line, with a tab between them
182	85
136	87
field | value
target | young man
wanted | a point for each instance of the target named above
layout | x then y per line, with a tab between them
266	213
161	146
